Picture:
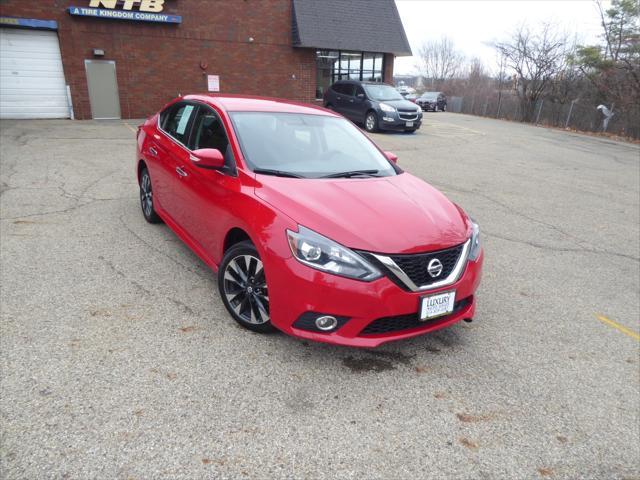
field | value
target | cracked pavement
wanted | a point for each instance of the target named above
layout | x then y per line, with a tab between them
118	359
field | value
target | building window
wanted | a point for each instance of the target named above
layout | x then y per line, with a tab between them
342	65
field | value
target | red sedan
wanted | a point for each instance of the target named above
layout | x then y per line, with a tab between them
312	229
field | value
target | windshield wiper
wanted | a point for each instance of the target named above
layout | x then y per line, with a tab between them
352	173
276	173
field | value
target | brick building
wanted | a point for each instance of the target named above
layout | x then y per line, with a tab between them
126	58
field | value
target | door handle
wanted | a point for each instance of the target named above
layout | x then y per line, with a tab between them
338	98
153	151
181	172
351	100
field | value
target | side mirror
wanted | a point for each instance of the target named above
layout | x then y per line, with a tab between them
391	156
209	158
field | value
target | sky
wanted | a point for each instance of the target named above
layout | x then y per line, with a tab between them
472	24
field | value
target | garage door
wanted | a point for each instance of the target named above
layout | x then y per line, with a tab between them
32	82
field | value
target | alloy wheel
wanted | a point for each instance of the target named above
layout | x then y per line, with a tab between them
146	194
370	122
245	288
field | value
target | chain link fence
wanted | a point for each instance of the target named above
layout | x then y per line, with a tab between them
573	115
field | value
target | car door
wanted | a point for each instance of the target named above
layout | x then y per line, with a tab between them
173	155
209	194
348	100
442	102
358	105
343	91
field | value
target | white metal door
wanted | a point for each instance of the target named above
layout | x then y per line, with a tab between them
32	83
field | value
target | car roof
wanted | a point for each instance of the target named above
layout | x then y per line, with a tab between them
248	103
362	82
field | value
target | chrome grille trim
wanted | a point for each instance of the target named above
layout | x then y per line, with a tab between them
453	277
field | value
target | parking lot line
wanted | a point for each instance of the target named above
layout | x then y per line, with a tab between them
130	127
619	327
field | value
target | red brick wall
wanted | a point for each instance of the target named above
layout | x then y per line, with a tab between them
156	62
388	68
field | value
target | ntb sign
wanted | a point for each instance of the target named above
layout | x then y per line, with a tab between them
136	10
143	5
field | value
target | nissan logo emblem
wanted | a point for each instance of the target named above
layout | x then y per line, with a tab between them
434	268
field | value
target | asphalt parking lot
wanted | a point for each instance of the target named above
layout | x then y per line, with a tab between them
118	359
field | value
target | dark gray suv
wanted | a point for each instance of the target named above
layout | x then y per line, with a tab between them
377	106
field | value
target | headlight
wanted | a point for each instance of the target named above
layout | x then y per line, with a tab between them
319	252
387	108
474	251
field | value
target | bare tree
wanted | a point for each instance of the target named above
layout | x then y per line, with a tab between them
535	58
439	60
614	68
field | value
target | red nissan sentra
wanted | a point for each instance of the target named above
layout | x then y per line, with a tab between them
313	230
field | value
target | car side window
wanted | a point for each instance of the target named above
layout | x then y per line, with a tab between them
349	89
209	132
177	122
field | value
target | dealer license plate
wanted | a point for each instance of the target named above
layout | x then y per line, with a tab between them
436	305
409	124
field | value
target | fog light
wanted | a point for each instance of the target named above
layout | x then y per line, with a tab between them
326	323
387	119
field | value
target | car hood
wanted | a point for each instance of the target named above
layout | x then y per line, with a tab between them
406	104
398	214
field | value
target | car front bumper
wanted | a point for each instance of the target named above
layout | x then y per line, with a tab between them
427	106
296	290
393	121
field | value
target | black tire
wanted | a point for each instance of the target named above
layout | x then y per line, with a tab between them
444	108
243	287
371	122
146	198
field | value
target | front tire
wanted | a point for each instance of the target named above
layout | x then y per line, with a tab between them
371	122
243	287
146	198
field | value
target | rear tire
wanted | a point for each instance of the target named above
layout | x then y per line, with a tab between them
371	122
243	287
146	198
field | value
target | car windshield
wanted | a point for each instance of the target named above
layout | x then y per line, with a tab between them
430	96
307	146
382	93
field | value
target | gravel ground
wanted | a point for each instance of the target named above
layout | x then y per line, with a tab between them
119	361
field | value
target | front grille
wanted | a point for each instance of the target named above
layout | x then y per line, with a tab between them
409	321
415	266
408	116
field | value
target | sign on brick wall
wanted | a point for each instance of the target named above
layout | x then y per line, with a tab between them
213	83
135	10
